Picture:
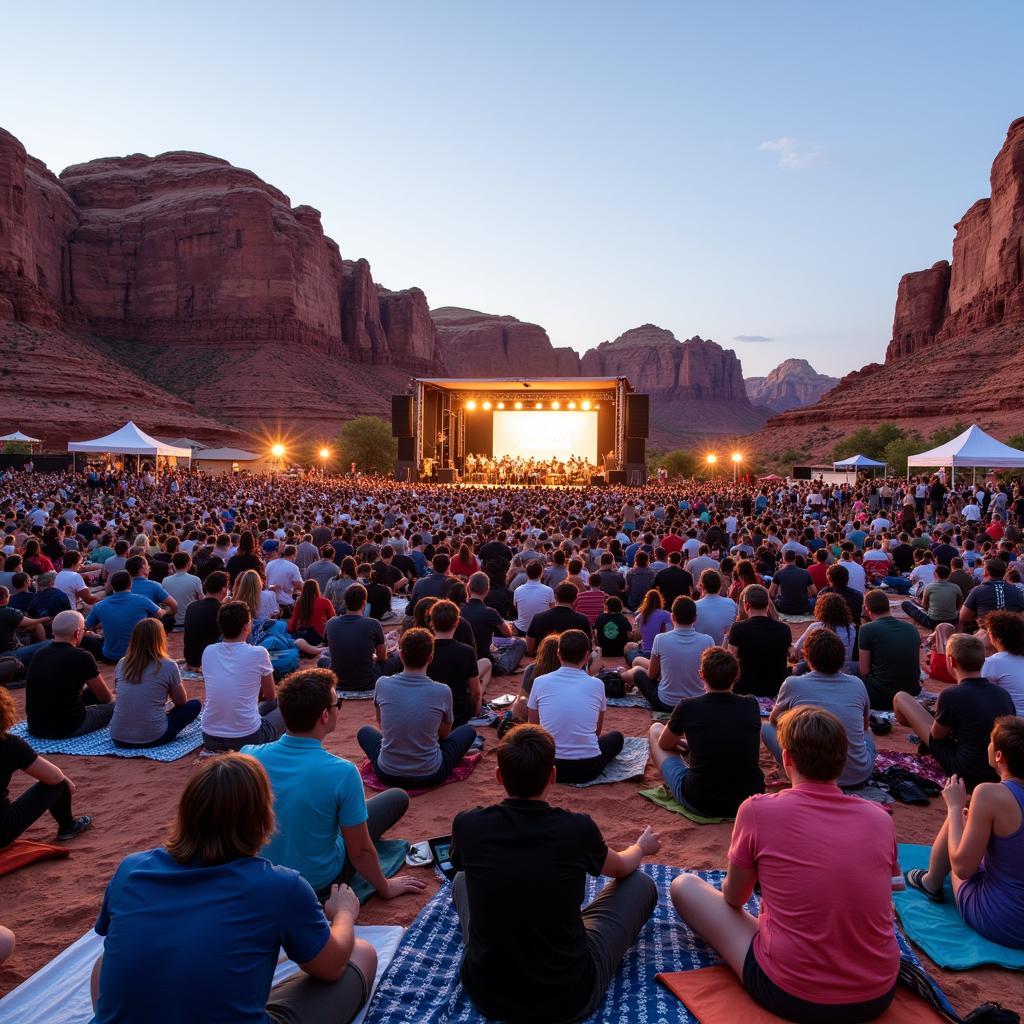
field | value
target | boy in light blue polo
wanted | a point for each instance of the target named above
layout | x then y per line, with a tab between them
325	829
118	614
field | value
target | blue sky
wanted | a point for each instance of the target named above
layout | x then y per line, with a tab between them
736	170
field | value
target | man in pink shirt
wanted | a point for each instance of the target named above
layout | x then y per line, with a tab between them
823	947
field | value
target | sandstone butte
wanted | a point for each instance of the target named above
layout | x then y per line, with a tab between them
196	289
957	335
792	384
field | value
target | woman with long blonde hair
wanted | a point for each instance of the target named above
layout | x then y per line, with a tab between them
52	791
146	678
249	589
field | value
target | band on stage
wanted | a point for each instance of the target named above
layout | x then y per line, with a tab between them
484	469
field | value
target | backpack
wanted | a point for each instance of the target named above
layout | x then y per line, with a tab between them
914	978
284	655
613	685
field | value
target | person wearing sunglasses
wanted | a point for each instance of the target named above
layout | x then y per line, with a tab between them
326	829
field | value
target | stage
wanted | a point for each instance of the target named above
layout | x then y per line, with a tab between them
552	431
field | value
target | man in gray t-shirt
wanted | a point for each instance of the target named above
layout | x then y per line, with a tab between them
356	647
416	746
826	686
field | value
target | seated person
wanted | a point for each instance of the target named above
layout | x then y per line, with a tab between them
558	618
839	583
416	746
957	737
981	844
325	827
570	704
529	952
612	629
356	647
1005	667
65	695
455	664
792	587
994	593
146	679
673	671
138	567
825	685
715	612
890	653
761	643
237	909
818	951
652	618
590	602
723	736
117	615
12	620
487	623
831	612
310	615
241	706
51	792
201	627
940	601
544	663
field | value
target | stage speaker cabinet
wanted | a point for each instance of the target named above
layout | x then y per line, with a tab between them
636	450
597	480
638	416
446	476
405	472
636	474
407	449
617	476
401	416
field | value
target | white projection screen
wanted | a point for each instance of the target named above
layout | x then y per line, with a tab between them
545	435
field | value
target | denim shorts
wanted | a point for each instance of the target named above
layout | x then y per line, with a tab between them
674	771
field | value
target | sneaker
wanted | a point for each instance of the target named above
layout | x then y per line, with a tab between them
80	824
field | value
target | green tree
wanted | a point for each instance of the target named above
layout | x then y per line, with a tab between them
943	434
1016	441
367	442
867	441
896	452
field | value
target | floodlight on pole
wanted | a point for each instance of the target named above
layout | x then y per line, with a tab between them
737	458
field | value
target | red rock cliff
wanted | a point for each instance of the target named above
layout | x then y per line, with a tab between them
793	384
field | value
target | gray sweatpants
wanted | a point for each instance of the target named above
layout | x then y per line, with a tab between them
306	1000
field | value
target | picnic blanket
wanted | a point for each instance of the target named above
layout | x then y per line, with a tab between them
663	798
99	743
391	854
927	767
460	772
715	993
796	618
631	700
59	991
630	763
189	674
355	694
423	982
23	852
939	929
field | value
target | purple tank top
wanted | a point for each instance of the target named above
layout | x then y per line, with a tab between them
1004	858
657	622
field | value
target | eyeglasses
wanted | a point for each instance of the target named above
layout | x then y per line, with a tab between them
337	704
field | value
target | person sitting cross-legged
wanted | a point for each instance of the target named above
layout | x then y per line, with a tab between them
415	746
981	844
823	947
723	736
958	736
825	685
117	615
530	953
193	930
325	827
570	703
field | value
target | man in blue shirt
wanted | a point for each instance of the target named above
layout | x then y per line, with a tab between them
117	615
138	568
326	830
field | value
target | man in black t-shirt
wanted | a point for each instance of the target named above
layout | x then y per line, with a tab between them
612	629
530	953
673	581
993	594
557	619
455	664
65	695
357	650
761	644
723	733
487	623
201	625
958	736
792	587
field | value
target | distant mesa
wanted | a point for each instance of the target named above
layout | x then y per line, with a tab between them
793	384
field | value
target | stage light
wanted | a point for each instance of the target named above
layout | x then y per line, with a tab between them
519	405
556	405
487	406
471	405
538	405
736	457
712	459
586	406
277	451
501	405
572	405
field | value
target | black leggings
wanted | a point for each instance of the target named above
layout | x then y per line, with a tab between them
588	768
30	806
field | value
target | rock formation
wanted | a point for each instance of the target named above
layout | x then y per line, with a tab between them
957	334
793	384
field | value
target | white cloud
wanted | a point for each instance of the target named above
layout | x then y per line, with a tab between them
793	154
752	338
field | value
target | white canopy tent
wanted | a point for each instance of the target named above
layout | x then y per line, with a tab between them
974	449
18	436
130	440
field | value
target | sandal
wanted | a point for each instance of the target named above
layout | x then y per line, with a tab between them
903	787
915	879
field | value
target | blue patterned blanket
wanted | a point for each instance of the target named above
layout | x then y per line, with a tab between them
99	743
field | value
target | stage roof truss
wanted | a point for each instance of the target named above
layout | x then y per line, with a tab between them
520	386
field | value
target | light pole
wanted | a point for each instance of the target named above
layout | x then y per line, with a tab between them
712	459
325	454
278	452
736	459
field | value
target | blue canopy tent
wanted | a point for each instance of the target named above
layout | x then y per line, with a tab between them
857	464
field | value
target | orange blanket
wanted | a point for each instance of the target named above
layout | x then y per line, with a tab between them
22	852
716	994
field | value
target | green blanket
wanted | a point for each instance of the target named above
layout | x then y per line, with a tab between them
392	856
663	798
